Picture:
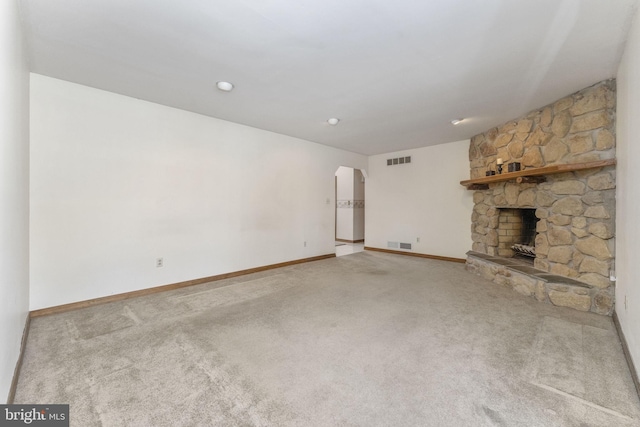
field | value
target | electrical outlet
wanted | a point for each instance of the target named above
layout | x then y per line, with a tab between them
159	262
417	240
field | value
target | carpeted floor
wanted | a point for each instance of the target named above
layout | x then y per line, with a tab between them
369	339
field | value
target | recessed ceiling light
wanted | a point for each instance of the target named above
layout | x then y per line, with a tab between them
224	86
456	121
333	121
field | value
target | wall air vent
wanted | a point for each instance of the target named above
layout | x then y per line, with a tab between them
392	245
399	161
405	245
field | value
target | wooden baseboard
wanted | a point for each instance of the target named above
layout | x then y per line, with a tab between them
438	257
119	297
627	354
350	241
16	371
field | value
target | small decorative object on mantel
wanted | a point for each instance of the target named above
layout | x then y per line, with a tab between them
490	173
526	174
499	163
513	167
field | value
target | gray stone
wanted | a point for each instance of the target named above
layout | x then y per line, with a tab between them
568	187
587	157
556	219
474	153
542	213
592	265
596	280
561	254
571	300
593	198
492	238
541	264
546	117
491	135
508	127
540	294
559	236
487	149
601	230
524	126
605	140
541	226
554	151
601	181
595	99
493	222
527	198
511	192
579	232
578	257
542	245
478	197
516	149
563	104
479	247
524	285
568	206
580	143
545	199
533	158
563	270
561	124
538	138
599	119
500	200
603	303
579	222
595	247
481	208
503	140
503	154
599	212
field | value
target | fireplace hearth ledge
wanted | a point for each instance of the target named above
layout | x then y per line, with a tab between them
543	286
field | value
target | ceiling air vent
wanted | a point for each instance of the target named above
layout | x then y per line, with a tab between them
399	161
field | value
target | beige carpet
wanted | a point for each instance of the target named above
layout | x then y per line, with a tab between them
369	339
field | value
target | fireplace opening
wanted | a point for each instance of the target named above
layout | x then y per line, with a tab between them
517	233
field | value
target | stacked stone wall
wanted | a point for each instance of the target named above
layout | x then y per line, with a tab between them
576	210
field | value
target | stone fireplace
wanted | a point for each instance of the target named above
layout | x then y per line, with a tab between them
517	233
573	212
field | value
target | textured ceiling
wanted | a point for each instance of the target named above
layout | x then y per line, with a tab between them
394	72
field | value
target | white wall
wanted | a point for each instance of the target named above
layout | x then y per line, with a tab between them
628	193
14	190
117	182
423	199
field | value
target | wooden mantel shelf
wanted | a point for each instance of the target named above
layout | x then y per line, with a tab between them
528	174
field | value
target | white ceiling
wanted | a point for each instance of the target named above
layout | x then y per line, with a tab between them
394	72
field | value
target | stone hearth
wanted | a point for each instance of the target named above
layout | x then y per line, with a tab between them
575	210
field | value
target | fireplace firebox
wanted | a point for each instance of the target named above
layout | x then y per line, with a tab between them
517	233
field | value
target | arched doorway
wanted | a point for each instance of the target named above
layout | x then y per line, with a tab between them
349	210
